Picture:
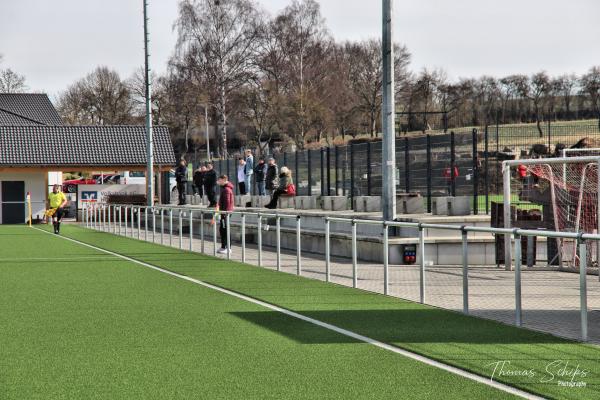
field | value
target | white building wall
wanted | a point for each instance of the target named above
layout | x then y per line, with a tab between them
35	183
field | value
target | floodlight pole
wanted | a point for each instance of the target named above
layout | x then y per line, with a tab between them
389	115
149	136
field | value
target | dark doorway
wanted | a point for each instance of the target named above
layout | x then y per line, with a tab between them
13	202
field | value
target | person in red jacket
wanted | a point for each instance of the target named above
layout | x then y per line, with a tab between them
226	204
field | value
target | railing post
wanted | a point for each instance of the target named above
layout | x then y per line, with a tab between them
583	289
139	222
153	225
428	173
259	235
243	237
327	250
180	219
298	246
146	224
278	239
126	217
422	276
202	232
170	227
518	297
215	222
162	226
386	258
486	177
108	227
228	225
132	221
354	256
120	219
191	230
465	272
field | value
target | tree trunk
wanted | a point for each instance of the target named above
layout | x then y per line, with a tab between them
224	122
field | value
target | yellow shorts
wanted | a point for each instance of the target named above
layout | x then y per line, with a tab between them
50	212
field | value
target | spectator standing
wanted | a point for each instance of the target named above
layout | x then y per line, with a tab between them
249	170
199	180
225	206
260	174
272	178
241	176
285	183
210	181
181	179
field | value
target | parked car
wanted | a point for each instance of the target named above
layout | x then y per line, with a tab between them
70	186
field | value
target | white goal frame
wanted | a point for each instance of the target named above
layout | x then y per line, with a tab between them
506	175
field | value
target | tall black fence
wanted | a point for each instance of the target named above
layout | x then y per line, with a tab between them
462	162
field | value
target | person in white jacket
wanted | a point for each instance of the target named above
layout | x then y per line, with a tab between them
249	170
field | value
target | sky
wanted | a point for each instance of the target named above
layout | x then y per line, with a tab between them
55	42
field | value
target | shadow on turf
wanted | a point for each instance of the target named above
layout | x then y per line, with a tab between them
398	326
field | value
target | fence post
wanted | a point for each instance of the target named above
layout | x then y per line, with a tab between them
297	171
145	223
328	191
298	246
428	173
243	238
452	163
518	309
465	271
354	256
351	173
126	218
406	165
386	259
486	177
583	289
285	159
322	151
421	264
337	168
368	168
475	174
139	222
327	250
162	226
309	167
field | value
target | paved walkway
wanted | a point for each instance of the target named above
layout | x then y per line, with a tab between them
550	298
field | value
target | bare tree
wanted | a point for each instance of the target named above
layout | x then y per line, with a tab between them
590	86
99	98
217	42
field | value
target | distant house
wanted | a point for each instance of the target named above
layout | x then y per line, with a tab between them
34	142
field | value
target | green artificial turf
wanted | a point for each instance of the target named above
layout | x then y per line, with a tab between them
76	323
470	343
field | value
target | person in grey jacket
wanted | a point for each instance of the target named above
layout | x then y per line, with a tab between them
249	170
285	179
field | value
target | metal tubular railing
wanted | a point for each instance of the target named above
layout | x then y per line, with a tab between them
93	219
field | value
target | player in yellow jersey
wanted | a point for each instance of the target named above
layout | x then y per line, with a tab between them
56	203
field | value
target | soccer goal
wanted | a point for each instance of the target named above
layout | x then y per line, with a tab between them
563	192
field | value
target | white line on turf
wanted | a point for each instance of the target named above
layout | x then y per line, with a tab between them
342	331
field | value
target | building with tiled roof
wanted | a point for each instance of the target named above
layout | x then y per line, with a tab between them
27	109
35	144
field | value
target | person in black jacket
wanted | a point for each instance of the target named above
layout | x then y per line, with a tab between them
210	181
272	177
260	173
199	180
181	179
